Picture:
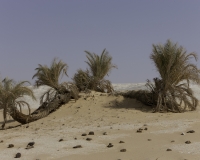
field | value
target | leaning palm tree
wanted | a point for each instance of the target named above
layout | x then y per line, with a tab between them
10	94
57	94
171	91
99	67
50	76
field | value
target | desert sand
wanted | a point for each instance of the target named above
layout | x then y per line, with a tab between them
112	119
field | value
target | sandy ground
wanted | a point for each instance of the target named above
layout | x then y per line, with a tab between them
119	117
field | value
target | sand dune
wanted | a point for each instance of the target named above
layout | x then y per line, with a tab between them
112	119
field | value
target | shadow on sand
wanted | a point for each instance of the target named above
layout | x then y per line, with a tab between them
129	103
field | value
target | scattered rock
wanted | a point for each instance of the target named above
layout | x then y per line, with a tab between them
149	139
145	124
75	138
1	141
187	142
191	131
30	145
110	127
110	145
84	134
78	146
27	126
146	128
18	155
169	149
60	140
91	133
139	131
182	133
121	141
88	139
123	150
172	141
104	133
10	146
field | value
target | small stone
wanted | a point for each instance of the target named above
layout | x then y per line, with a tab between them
123	150
110	145
91	133
60	140
182	133
75	138
31	144
145	124
121	142
172	141
27	126
169	149
78	146
149	139
10	146
139	131
187	142
84	134
191	131
88	139
18	155
110	127
146	128
104	133
1	141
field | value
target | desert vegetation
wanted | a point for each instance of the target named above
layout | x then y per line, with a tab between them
171	90
94	77
57	95
10	92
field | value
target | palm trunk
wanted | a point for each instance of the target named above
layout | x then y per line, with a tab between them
44	110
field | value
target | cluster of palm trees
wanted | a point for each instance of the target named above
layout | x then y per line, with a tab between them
169	92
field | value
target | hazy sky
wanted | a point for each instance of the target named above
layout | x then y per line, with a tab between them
35	31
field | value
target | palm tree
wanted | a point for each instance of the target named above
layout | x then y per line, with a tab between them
99	67
50	76
10	92
57	94
171	91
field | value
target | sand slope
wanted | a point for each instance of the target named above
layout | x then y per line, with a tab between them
120	118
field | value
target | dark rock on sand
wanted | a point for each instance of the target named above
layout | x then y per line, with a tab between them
91	133
123	150
60	140
18	155
110	145
121	142
30	145
187	142
88	139
84	134
10	146
104	133
191	131
169	149
78	146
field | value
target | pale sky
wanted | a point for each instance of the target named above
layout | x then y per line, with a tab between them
35	31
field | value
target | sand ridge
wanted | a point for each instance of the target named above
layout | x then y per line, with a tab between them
119	117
